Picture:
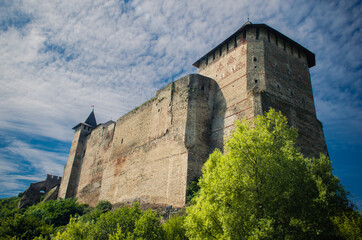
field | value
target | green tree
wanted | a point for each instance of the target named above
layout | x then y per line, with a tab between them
23	227
263	188
75	230
173	228
9	207
57	212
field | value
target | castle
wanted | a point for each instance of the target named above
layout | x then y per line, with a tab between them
152	153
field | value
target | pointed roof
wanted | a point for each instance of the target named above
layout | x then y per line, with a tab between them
90	121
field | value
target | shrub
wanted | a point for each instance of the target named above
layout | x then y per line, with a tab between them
104	206
56	212
174	228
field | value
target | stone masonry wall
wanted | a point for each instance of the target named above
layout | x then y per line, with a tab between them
95	154
257	70
69	182
286	87
232	99
151	153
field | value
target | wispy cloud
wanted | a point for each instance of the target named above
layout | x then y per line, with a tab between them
60	57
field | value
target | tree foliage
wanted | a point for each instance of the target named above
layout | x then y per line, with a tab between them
9	207
263	188
123	223
174	228
57	212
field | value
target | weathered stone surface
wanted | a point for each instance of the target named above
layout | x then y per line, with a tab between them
36	190
153	152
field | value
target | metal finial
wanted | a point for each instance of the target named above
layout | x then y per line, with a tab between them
92	106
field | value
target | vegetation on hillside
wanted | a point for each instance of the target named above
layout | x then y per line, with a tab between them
261	188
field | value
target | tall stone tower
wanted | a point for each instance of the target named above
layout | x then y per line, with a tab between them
71	173
257	68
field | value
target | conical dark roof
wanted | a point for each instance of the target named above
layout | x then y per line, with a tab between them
91	120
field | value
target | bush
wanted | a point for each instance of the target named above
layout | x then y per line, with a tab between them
56	212
24	227
104	206
124	217
174	228
9	207
75	230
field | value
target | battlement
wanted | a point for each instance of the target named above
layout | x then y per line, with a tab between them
53	178
252	32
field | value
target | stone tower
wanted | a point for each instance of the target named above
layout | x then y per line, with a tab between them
257	68
70	179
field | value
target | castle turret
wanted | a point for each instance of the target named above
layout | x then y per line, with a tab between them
69	183
257	68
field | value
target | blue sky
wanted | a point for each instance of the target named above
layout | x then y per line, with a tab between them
59	57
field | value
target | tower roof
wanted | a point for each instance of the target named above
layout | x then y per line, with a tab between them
90	121
248	24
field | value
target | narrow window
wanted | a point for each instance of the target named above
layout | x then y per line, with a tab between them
268	36
291	48
257	33
276	40
220	51
207	60
244	35
235	43
285	48
227	47
213	56
298	52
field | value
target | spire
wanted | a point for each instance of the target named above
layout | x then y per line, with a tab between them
91	120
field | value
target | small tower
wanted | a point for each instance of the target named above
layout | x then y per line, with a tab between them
69	183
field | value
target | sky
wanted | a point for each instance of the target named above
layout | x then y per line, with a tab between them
60	57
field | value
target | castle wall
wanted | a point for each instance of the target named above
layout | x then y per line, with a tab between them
151	153
232	100
69	182
280	73
199	123
95	154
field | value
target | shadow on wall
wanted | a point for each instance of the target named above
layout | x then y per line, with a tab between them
205	122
